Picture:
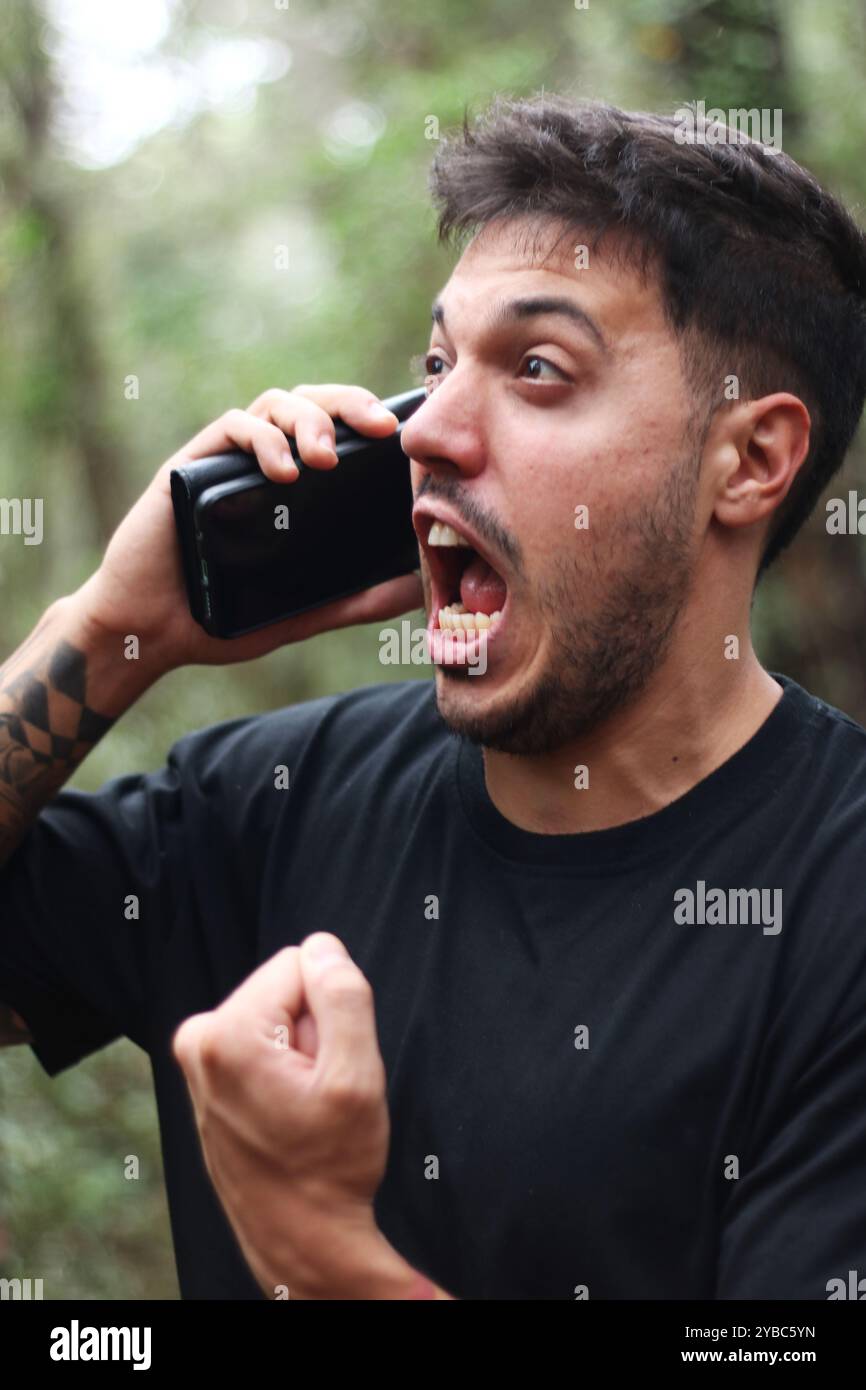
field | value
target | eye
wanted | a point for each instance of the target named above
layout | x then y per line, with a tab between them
426	368
536	361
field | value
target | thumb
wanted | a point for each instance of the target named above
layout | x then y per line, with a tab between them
340	1000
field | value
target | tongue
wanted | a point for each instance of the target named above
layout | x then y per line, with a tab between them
482	590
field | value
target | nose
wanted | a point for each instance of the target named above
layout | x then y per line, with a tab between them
446	434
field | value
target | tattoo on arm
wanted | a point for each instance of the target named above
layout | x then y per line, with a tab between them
13	1029
46	727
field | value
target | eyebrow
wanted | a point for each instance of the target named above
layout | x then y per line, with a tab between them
516	310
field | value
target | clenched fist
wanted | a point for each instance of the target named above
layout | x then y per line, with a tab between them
288	1087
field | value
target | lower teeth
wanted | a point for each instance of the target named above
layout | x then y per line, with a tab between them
455	618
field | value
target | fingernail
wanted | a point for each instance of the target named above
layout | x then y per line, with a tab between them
287	460
326	442
380	412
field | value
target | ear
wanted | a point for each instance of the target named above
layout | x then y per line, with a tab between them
758	455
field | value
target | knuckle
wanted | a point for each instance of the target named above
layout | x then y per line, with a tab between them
211	1048
182	1043
319	399
350	1094
269	398
186	1042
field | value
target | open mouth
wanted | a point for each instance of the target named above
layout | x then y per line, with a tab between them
469	598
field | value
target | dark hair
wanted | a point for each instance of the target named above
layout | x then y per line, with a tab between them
762	272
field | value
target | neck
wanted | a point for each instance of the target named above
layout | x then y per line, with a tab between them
694	714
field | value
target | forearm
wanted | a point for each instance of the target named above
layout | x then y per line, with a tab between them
60	693
339	1258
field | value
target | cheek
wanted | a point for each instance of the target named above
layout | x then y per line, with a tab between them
571	496
615	471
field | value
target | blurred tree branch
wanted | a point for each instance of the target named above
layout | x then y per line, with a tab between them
68	335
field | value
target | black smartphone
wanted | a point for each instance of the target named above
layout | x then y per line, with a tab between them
254	551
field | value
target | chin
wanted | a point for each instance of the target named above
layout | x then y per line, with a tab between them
549	709
481	709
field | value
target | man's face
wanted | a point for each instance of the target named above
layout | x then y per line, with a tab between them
558	446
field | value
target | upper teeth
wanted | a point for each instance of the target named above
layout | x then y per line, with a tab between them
443	534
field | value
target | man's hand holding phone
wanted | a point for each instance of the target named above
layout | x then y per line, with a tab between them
139	587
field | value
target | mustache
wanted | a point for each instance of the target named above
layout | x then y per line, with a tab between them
490	531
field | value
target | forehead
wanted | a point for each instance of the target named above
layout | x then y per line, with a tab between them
516	256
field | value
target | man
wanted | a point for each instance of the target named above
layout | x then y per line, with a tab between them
591	1016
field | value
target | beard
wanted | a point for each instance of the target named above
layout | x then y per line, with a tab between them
602	660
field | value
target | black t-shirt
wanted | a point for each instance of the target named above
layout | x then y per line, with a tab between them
587	1089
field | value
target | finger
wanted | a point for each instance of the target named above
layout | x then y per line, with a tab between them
386	600
306	1036
355	405
308	413
271	997
188	1045
239	429
341	1001
185	1044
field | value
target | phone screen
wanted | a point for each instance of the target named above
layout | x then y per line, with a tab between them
272	549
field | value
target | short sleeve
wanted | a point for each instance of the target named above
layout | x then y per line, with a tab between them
796	1221
126	909
80	900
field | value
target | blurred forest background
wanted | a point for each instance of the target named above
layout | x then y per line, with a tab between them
153	155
